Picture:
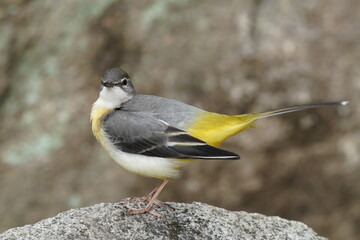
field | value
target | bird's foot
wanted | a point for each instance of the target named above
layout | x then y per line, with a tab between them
150	198
144	199
139	199
147	209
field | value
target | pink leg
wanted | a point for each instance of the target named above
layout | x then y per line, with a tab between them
151	197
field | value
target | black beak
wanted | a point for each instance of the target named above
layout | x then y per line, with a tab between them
107	84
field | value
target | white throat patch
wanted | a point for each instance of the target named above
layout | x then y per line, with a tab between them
112	97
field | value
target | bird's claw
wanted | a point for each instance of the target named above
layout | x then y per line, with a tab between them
142	211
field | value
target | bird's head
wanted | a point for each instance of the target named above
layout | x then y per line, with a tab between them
116	88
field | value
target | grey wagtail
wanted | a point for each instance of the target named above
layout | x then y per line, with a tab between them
154	136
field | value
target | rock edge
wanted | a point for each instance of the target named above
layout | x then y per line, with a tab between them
178	221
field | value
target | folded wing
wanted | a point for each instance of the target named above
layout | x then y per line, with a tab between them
140	133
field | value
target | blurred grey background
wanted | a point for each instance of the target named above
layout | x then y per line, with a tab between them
232	57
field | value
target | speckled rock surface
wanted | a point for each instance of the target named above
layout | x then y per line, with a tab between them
178	221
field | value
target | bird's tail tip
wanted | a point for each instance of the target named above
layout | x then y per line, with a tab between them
299	108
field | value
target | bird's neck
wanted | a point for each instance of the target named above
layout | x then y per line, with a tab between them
97	115
112	98
104	103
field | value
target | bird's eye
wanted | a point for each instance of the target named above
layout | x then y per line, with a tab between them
124	82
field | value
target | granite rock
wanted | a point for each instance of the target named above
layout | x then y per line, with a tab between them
177	221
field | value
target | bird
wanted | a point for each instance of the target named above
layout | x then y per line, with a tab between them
155	137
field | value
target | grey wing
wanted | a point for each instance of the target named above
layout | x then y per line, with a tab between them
143	134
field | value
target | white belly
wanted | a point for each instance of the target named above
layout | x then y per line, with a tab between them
155	167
